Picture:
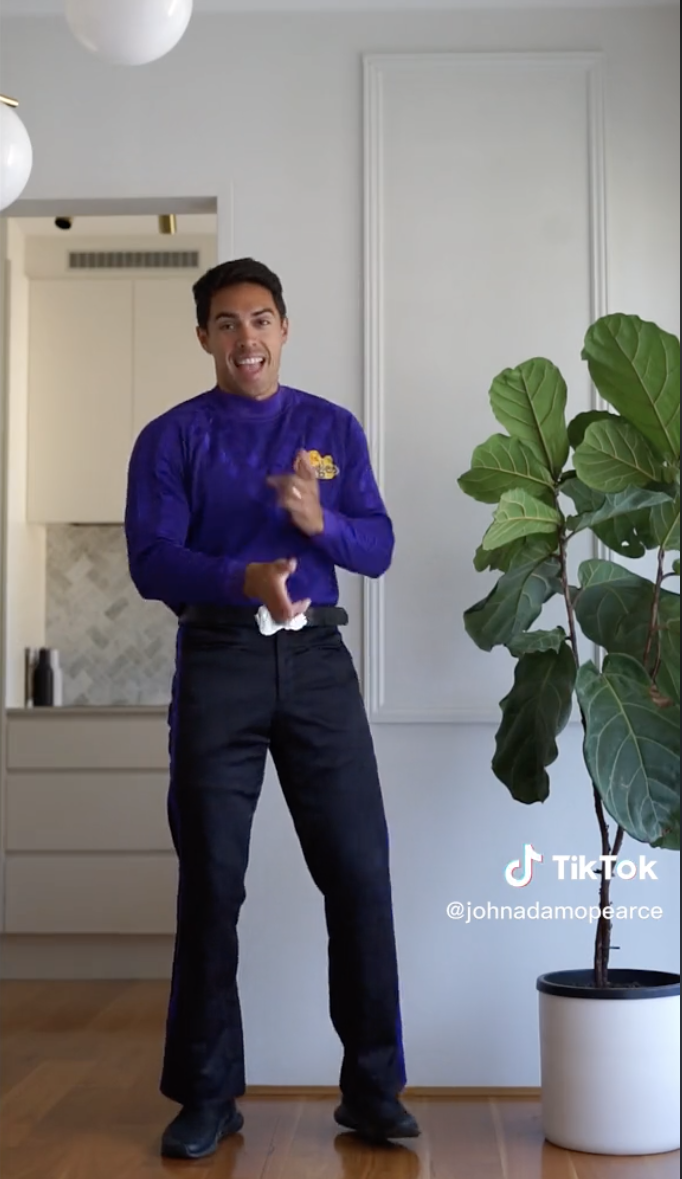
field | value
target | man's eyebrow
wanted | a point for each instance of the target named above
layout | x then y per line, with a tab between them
254	314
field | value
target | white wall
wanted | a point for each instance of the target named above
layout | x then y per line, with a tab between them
26	543
271	109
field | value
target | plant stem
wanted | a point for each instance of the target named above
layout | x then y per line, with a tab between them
605	927
602	956
655	617
565	581
620	840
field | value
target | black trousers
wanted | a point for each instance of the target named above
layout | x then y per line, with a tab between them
238	695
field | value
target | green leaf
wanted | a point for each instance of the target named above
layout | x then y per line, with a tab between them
614	609
538	641
615	456
484	561
585	498
670	840
666	525
502	464
580	425
668	678
624	503
623	522
514	604
636	368
519	552
519	515
630	538
530	402
536	711
632	747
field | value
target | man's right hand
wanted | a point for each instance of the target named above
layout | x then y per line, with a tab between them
267	583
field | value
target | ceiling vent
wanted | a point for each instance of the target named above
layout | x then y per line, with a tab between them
134	260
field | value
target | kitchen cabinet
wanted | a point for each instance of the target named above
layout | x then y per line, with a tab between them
80	399
106	357
87	849
170	365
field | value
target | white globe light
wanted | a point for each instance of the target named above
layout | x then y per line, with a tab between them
129	32
16	156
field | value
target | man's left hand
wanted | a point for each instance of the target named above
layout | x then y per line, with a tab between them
299	495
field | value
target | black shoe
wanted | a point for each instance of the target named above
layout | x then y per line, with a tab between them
198	1130
377	1122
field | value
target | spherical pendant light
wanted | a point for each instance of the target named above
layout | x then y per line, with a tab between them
129	32
16	154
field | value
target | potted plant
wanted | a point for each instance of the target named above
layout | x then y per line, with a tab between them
610	1039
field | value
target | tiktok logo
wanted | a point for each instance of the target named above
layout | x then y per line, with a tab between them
519	874
531	857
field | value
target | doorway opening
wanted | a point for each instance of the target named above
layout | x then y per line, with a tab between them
100	340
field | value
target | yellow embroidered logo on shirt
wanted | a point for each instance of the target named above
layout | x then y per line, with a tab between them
324	465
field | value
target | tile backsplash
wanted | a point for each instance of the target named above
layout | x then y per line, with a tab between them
115	648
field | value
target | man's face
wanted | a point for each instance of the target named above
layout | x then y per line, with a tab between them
245	337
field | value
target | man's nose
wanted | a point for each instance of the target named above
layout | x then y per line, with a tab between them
246	333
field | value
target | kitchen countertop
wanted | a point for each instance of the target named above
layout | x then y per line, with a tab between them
89	710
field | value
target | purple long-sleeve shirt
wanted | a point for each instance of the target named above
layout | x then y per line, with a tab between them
199	509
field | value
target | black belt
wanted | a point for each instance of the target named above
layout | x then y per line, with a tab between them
213	617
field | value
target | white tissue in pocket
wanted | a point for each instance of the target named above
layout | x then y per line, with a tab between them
268	626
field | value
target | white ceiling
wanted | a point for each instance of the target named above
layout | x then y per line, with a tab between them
52	7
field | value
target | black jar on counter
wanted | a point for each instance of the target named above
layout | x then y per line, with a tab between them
43	680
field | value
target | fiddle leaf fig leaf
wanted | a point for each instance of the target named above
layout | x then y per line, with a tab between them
520	515
503	464
538	641
666	525
624	522
636	368
614	457
614	608
530	402
514	604
536	711
631	502
580	425
519	552
632	747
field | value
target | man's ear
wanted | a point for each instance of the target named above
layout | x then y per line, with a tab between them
285	330
202	337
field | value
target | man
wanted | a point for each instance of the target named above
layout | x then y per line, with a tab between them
242	502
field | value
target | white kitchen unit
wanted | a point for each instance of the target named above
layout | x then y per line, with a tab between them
168	363
80	400
86	840
111	347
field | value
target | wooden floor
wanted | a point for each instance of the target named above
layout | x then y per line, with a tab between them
79	1074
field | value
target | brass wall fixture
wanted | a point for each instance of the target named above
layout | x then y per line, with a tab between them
168	224
8	101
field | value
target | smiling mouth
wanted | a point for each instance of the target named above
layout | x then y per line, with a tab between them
251	366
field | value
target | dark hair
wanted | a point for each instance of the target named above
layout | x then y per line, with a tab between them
232	274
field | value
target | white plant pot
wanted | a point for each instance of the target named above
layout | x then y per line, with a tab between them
611	1062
